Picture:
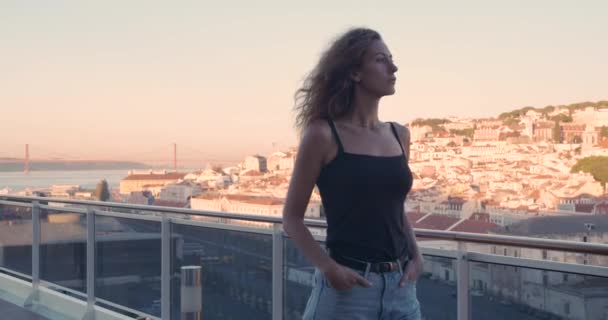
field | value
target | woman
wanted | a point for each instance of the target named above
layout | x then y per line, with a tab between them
360	167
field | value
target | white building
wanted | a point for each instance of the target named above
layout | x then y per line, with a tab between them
211	178
568	296
274	160
418	133
64	191
487	133
247	204
180	192
590	137
281	161
486	151
563	295
287	163
458	125
148	181
256	162
455	207
591	116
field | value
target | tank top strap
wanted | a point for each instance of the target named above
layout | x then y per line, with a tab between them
334	131
397	136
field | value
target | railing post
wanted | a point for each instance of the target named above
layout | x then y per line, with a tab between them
33	297
191	293
1	247
35	245
462	285
91	260
277	272
165	270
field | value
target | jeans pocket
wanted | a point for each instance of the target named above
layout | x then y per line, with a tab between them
325	282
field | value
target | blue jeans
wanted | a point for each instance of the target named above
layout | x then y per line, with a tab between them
384	300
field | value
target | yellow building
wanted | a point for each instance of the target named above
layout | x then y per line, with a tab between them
248	204
140	182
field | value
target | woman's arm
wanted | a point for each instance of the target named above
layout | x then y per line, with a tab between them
310	159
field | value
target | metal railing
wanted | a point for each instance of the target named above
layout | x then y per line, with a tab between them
176	216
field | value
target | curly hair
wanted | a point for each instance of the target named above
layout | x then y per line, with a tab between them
327	91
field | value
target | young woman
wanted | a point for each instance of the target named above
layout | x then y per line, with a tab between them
360	167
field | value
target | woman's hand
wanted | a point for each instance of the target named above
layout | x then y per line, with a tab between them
412	271
343	278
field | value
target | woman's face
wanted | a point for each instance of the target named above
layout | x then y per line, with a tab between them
377	72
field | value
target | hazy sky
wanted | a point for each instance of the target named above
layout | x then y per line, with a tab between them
126	79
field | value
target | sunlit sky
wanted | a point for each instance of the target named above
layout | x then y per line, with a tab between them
127	79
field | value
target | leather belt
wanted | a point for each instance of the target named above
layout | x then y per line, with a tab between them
377	267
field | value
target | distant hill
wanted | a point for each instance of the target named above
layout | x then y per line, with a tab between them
513	117
67	165
548	109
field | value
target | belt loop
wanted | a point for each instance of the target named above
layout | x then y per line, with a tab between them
399	265
367	267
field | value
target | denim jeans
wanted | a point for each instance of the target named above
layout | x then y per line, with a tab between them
384	300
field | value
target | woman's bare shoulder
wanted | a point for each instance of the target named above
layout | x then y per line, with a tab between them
317	142
403	131
317	132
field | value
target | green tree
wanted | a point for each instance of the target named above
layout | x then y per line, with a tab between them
557	133
604	132
510	122
548	109
468	132
601	175
562	118
504	115
597	166
525	110
102	191
217	168
435	124
581	105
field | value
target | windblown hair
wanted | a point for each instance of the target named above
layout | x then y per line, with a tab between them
327	92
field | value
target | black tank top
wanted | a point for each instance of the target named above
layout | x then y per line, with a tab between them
363	198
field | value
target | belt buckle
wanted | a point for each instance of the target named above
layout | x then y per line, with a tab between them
393	266
386	266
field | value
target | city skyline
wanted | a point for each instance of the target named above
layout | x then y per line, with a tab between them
92	81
